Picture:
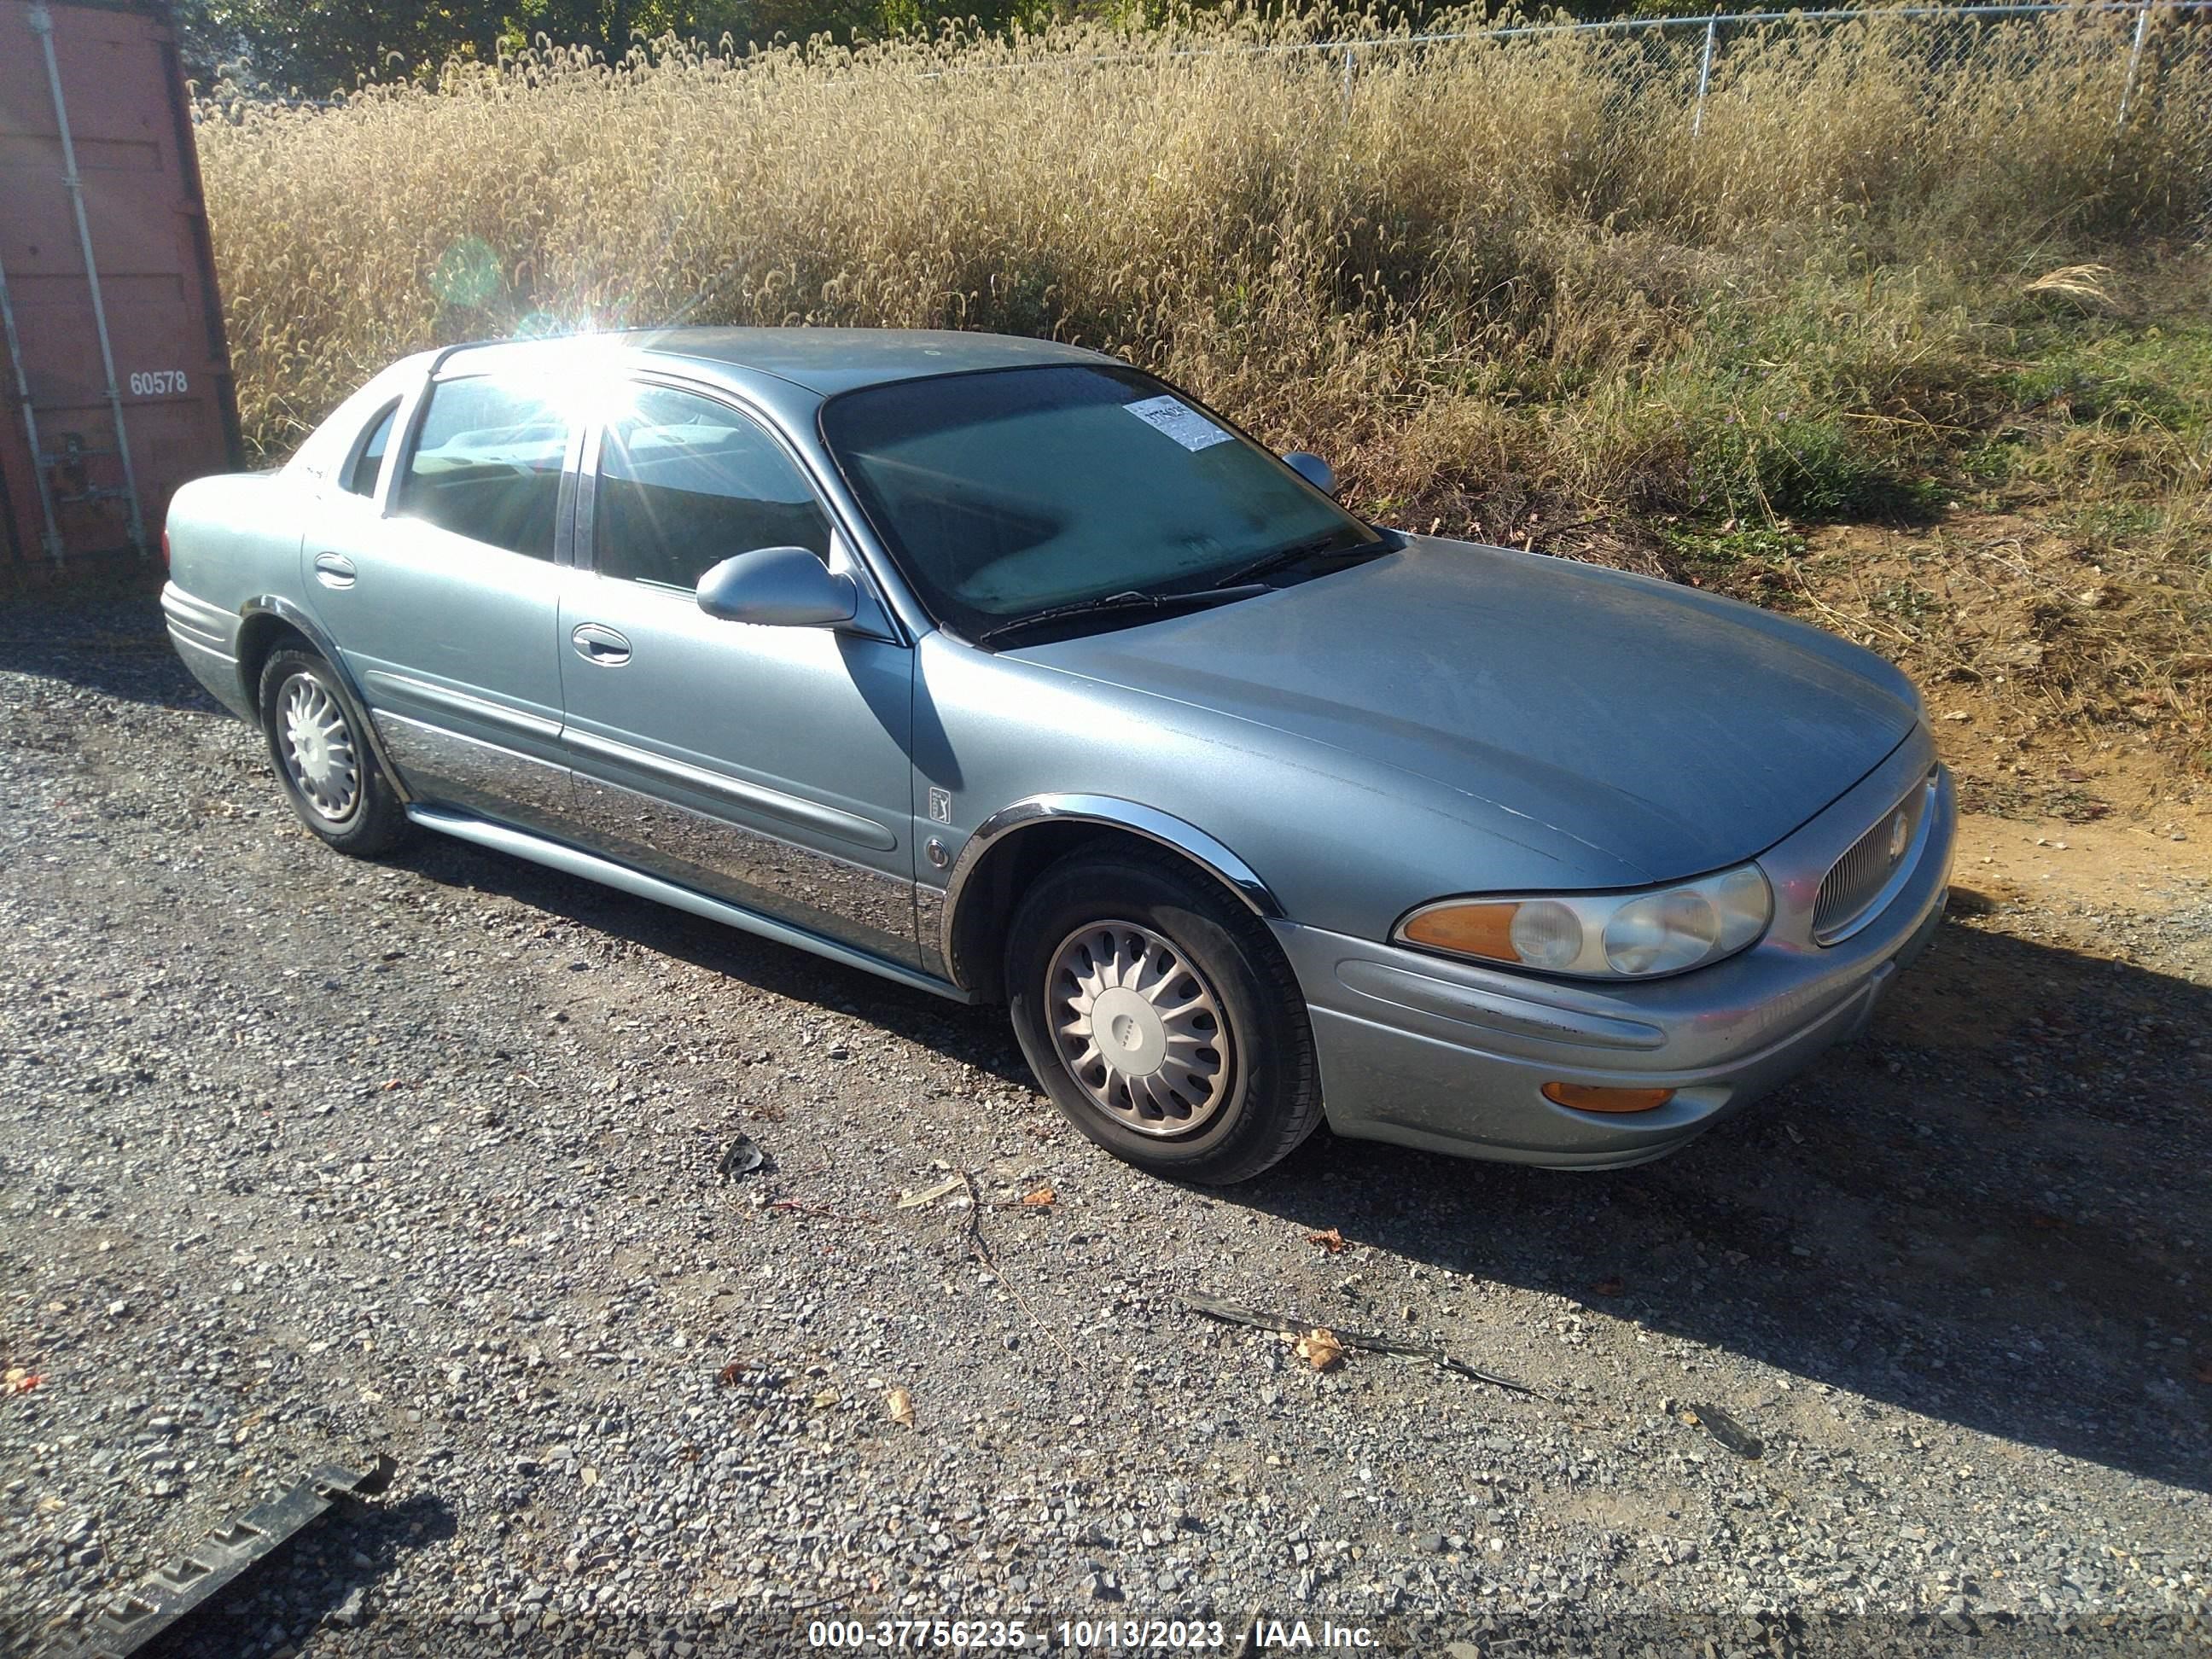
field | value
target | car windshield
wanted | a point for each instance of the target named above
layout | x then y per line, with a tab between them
1008	492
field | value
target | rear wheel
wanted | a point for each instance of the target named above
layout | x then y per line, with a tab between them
322	760
1161	1018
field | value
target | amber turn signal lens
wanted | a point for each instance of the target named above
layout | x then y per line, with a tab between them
1586	1097
1474	930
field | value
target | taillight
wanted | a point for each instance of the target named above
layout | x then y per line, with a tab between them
164	547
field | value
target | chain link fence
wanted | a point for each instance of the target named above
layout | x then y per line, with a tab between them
1690	57
2131	44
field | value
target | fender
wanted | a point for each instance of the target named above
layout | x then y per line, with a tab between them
1154	825
286	611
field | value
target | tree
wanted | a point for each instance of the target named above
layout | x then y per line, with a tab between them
319	46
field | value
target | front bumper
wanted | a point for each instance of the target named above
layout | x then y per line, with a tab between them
1449	1056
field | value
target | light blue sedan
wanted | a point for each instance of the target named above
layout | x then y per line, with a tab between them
999	669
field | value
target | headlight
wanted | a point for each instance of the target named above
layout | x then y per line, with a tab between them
1643	935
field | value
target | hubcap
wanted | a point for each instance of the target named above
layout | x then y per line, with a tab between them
1139	1029
317	747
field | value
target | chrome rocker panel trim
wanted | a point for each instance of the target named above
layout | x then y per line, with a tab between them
827	820
459	702
575	862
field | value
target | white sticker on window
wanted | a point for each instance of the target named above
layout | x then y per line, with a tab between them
1179	420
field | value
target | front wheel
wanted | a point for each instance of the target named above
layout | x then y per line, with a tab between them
322	759
1160	1018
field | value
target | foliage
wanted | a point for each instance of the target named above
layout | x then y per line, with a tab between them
1504	285
318	48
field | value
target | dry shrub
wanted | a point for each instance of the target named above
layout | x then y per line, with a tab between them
1536	208
1503	284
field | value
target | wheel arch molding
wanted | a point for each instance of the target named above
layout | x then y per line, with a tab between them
992	863
263	621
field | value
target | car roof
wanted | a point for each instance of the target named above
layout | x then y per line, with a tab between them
823	361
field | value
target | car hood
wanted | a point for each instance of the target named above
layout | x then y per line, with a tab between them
1674	731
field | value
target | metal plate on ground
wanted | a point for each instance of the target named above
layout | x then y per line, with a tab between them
170	1592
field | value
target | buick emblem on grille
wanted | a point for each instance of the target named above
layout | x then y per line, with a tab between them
1899	830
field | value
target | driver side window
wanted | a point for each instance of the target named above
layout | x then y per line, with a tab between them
685	482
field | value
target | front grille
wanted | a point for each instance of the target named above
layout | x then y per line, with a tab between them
1861	876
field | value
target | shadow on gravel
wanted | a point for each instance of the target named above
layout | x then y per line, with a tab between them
115	644
311	1581
976	1036
1990	1211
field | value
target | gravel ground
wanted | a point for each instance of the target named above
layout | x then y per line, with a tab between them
303	1159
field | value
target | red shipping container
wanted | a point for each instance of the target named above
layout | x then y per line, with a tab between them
115	384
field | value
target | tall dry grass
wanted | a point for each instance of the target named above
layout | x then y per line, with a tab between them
1503	219
1504	285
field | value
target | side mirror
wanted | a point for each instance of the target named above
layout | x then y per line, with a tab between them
1314	470
779	587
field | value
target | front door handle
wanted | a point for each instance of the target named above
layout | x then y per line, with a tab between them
595	642
334	570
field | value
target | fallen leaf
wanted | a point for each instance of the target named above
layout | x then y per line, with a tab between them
824	1401
1041	1198
900	1404
930	1194
1612	1286
590	1476
729	1373
1332	1241
1320	1349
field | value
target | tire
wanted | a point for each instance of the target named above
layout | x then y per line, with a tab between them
324	765
1214	1077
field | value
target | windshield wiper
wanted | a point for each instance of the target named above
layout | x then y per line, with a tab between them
1133	601
1299	552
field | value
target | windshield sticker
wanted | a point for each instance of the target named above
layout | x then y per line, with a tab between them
1180	422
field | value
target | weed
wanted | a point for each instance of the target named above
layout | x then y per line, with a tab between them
1498	290
1732	544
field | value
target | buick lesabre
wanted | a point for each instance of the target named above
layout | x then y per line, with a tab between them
1002	669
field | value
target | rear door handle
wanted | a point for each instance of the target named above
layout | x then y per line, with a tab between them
334	570
598	643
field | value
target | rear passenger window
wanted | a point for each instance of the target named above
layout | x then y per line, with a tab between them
368	464
685	482
487	464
